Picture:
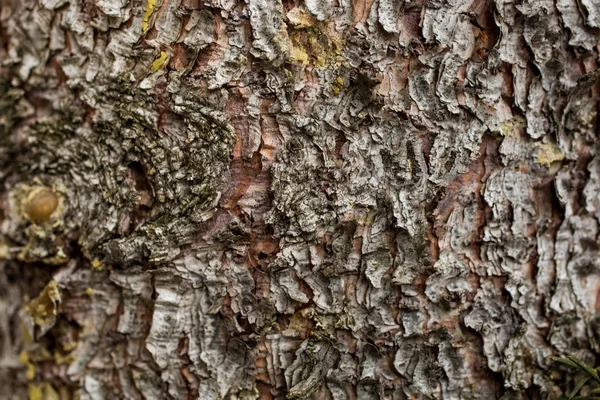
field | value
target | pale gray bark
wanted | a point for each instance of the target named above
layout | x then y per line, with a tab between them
366	199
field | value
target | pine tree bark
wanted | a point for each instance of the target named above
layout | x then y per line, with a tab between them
353	199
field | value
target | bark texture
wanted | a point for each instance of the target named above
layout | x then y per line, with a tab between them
351	199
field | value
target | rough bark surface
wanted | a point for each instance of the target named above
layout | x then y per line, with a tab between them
352	199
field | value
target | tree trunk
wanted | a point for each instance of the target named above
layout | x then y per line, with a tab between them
352	199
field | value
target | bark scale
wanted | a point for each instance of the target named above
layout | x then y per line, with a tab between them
353	199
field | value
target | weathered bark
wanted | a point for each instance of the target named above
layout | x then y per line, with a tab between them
366	199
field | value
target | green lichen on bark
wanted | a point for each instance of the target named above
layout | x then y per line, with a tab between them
131	193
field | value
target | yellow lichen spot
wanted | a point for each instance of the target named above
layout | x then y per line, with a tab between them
26	336
96	264
326	50
159	61
549	153
147	14
24	359
40	204
4	251
35	392
337	86
70	346
89	291
40	355
512	127
298	54
44	307
64	359
313	40
42	391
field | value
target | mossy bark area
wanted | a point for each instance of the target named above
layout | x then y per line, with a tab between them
353	199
